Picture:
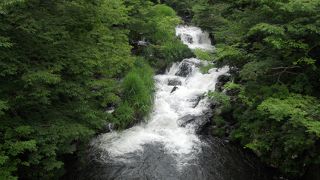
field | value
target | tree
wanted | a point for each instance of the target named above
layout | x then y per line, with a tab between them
273	46
59	65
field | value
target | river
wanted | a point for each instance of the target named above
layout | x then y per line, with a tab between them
168	145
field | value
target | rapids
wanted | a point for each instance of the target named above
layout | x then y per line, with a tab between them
168	145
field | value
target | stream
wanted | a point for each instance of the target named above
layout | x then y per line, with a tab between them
168	145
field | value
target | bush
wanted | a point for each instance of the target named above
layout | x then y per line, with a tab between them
221	98
124	115
205	68
203	55
161	56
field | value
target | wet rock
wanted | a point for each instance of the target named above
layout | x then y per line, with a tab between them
193	62
222	80
184	70
212	37
186	120
197	100
188	38
174	89
197	122
174	82
234	71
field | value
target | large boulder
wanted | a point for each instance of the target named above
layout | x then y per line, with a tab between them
197	122
185	69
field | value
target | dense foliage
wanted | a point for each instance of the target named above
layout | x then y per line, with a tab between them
273	49
183	8
62	64
152	26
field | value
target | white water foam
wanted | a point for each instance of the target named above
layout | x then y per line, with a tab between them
194	37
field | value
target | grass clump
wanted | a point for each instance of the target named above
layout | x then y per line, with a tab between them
137	89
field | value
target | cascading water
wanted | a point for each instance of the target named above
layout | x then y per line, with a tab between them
167	146
194	37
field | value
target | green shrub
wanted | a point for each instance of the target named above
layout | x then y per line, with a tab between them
205	68
138	86
124	115
203	55
161	56
221	98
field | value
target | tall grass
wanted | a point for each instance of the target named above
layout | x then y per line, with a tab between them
137	88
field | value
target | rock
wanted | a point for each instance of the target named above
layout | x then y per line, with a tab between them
198	122
186	120
222	80
174	89
234	71
197	100
212	37
193	62
185	69
188	38
174	82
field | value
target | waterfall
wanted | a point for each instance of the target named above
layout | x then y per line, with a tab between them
169	107
167	144
194	37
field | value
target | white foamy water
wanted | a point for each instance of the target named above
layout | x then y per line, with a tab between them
163	124
194	37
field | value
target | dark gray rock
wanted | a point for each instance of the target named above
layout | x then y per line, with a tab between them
174	89
222	80
185	69
188	38
196	100
174	82
198	122
234	71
